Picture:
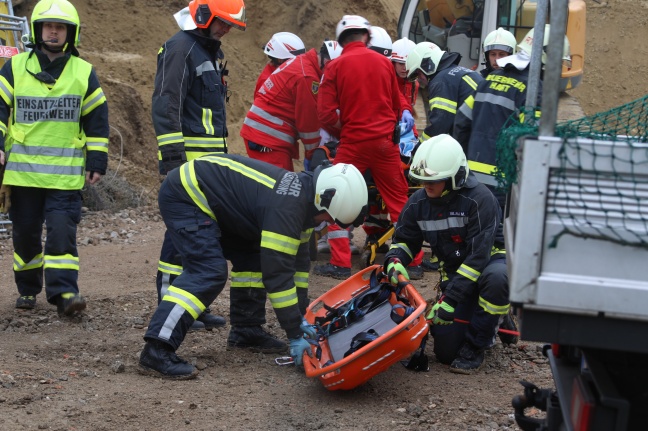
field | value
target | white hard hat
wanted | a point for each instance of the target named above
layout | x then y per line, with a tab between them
341	191
401	49
284	45
380	41
351	22
438	159
424	57
527	46
331	49
500	39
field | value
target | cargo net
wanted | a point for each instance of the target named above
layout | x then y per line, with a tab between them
600	190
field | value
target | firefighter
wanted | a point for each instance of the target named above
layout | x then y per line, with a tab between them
364	114
461	220
501	94
498	44
284	112
188	107
221	204
51	153
449	85
282	46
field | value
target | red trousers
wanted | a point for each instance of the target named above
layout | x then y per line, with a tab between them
382	158
279	158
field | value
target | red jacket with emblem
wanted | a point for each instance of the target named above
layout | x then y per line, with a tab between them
362	84
285	107
265	73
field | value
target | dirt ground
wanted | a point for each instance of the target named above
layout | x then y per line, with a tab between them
80	374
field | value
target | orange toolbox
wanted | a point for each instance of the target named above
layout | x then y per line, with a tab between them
358	349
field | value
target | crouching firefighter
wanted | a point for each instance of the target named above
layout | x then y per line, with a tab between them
461	220
220	205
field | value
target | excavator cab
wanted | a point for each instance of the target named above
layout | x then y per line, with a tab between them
461	25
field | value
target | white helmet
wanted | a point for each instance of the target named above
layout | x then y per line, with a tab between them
527	46
331	49
351	22
380	41
439	159
500	39
424	57
401	49
341	191
284	45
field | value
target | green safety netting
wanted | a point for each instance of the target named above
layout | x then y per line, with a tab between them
599	191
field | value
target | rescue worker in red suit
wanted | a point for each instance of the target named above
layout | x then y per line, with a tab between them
284	112
282	46
359	101
219	204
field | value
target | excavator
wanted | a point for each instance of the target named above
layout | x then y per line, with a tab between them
461	25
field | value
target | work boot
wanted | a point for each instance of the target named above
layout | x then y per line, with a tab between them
415	272
468	360
69	303
26	302
431	264
508	324
255	339
333	271
211	321
158	359
197	325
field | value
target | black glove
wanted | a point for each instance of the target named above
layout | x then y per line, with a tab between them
170	161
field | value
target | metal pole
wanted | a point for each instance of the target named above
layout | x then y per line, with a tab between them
553	68
536	56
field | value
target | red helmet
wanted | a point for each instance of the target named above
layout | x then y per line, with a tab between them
231	12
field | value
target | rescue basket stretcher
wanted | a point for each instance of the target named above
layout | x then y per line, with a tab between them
335	362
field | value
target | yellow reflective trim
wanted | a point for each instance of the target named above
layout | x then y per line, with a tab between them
280	243
445	104
305	235
6	91
470	102
247	279
483	168
65	261
492	308
207	121
403	247
470	82
170	138
241	169
169	268
283	299
91	102
190	183
468	272
496	250
20	265
301	279
186	300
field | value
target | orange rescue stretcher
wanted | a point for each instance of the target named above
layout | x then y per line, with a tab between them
335	362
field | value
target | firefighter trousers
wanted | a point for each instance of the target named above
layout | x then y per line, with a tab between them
196	238
482	308
60	210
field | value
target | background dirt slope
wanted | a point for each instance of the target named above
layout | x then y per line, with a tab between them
80	374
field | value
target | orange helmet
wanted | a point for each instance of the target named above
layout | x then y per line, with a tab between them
231	12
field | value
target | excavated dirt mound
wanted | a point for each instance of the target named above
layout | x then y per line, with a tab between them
80	374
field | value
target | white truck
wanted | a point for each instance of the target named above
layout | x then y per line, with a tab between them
577	241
